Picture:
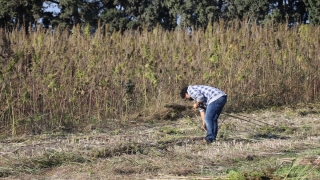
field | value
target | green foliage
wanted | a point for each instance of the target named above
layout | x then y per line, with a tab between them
313	7
234	175
169	130
297	171
116	20
100	153
256	10
4	172
22	12
287	129
140	14
306	128
199	14
255	175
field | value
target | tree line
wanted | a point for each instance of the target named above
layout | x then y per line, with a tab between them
121	15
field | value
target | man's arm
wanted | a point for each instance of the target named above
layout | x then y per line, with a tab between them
204	127
202	114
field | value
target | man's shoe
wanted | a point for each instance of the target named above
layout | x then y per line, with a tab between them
206	142
210	140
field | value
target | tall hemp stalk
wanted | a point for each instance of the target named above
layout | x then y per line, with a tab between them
62	80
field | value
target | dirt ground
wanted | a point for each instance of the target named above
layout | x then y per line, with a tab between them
169	145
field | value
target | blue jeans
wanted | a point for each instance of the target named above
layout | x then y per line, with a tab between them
213	112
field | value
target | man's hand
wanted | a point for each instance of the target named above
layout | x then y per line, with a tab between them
197	104
204	127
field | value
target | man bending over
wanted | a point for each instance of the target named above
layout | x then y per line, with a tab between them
210	102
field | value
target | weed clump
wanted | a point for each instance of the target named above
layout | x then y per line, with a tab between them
235	175
53	159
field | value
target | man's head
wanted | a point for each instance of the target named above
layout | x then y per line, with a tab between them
184	93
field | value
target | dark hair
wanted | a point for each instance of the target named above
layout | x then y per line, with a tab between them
183	92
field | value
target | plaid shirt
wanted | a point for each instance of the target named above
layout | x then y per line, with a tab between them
204	94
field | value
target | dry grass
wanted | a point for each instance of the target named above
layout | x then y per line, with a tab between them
252	145
93	106
62	80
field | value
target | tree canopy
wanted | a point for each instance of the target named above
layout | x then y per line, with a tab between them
169	14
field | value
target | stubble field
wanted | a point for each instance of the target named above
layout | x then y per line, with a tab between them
276	143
